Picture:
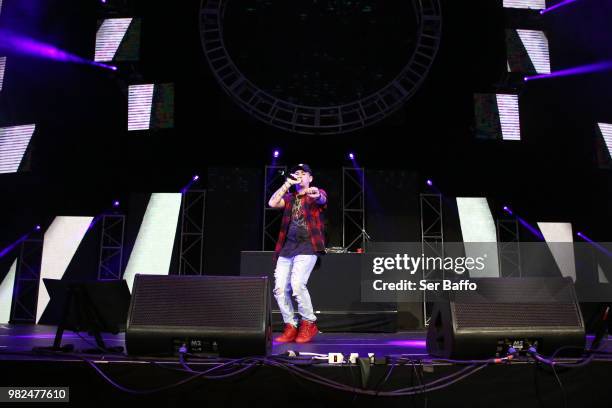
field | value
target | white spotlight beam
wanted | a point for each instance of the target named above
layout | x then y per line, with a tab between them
152	251
61	241
479	233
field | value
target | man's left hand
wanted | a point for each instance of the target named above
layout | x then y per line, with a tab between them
313	192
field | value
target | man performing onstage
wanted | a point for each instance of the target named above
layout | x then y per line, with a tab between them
300	241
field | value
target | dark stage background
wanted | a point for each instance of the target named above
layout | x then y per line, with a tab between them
82	157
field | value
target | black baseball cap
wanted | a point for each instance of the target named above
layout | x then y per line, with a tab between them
304	167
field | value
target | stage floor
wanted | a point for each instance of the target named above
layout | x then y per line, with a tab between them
96	379
22	338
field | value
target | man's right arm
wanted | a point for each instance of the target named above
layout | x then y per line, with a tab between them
276	201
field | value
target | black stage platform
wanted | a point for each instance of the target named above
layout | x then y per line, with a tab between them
521	383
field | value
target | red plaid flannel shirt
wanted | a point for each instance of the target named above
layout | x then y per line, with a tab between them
312	216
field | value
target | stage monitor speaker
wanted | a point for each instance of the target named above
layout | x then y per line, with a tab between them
503	312
225	315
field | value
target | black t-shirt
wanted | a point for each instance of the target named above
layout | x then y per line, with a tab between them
298	238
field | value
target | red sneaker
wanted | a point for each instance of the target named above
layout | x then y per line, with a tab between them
288	335
307	331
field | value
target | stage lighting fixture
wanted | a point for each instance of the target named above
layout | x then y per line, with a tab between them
116	204
196	178
528	51
507	209
276	154
150	106
118	39
37	228
525	4
2	68
429	183
606	133
497	116
351	156
14	141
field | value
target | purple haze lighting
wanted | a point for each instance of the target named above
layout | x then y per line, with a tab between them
429	183
37	228
116	203
595	244
351	156
276	154
16	43
585	69
408	343
196	178
13	245
556	6
536	233
507	209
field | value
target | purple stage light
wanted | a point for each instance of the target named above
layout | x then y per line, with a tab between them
507	209
17	43
408	343
595	244
429	183
276	154
585	69
534	231
557	6
351	156
37	228
196	178
116	203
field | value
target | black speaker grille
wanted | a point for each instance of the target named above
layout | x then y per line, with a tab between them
520	315
223	302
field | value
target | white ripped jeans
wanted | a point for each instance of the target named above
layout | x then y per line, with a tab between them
290	279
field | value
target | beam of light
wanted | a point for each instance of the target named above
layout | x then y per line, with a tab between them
585	69
479	233
2	69
595	244
19	44
193	180
606	133
525	4
61	241
14	141
12	246
536	45
508	106
534	231
109	37
140	101
152	250
557	6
